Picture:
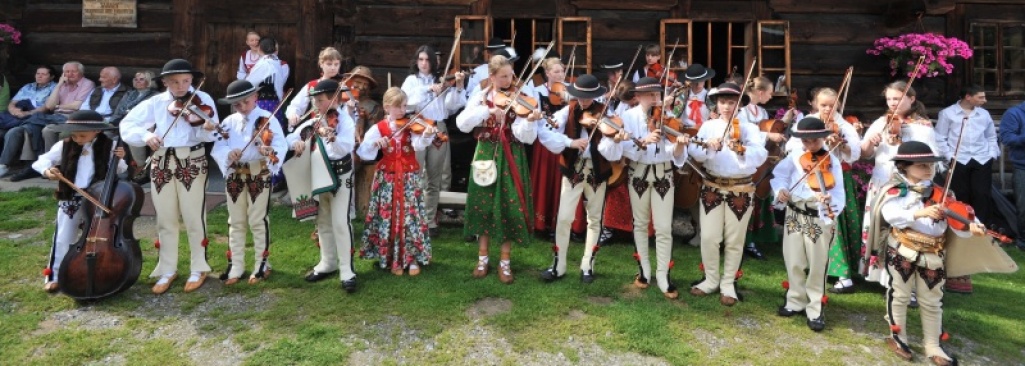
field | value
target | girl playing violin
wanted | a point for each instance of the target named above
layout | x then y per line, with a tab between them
731	153
545	181
907	117
330	61
499	210
650	180
336	133
652	68
434	100
846	249
247	166
396	229
762	226
915	234
806	183
82	159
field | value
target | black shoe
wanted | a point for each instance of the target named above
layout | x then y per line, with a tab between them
913	303
549	275
576	238
817	324
605	236
587	276
784	312
349	285
432	232
27	173
841	290
314	276
470	238
1020	245
753	252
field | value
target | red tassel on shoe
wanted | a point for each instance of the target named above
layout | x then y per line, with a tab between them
596	247
204	243
945	336
637	256
740	273
895	328
701	267
825	299
156	244
266	253
672	264
228	254
786	285
555	248
47	271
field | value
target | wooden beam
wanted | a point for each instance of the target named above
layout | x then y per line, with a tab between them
662	5
138	49
68	18
404	20
184	29
829	6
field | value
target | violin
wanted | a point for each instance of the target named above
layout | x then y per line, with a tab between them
327	124
417	126
606	125
557	94
895	121
266	137
521	104
824	180
672	128
195	112
959	215
738	145
854	121
658	71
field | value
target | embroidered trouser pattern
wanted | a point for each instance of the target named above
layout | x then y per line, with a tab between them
179	177
335	230
724	215
806	241
568	200
905	277
248	199
69	226
651	198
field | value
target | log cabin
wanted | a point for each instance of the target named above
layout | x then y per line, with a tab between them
807	43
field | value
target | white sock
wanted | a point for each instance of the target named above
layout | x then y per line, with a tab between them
165	279
194	276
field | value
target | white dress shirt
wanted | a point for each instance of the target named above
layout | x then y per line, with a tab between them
725	163
86	168
420	97
368	151
240	131
301	102
883	169
979	142
151	118
477	112
556	140
345	135
267	69
635	122
789	171
847	130
705	112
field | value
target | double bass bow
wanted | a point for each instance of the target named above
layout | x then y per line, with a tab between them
106	259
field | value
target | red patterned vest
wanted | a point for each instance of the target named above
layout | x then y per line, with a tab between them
399	156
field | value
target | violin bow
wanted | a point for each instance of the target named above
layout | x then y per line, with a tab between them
843	85
953	161
264	127
84	194
605	108
452	51
904	94
743	89
846	91
419	113
520	79
665	82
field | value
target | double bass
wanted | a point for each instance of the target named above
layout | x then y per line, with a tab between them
106	259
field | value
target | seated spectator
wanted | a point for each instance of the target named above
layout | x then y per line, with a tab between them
67	97
143	89
29	99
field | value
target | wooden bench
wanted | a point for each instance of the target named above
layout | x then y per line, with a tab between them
452	200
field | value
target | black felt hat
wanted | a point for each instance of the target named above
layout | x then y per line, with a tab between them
611	65
238	90
587	87
698	73
647	84
811	128
724	89
916	152
495	44
81	121
324	86
179	66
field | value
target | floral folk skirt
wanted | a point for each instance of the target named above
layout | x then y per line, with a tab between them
395	230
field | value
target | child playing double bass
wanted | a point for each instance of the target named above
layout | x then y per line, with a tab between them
83	158
396	230
809	184
247	166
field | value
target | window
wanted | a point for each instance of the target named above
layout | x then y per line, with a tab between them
572	34
998	61
729	46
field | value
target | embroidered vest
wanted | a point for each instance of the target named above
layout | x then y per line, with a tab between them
97	96
397	159
569	156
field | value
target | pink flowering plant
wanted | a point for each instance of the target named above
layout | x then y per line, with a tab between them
904	51
9	34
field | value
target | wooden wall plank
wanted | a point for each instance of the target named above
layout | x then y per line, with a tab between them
829	6
69	19
523	9
660	5
406	21
623	25
392	51
266	12
147	49
848	28
732	10
417	2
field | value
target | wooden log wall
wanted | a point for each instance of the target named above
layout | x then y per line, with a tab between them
52	34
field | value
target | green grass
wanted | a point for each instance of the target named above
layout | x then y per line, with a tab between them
288	321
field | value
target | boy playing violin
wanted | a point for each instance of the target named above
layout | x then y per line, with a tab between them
916	247
585	171
333	126
810	185
396	230
247	158
732	151
82	159
179	162
651	182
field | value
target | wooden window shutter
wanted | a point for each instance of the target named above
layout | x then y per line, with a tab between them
774	53
476	33
575	31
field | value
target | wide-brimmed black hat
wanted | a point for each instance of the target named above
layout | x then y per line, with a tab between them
178	66
698	73
324	86
916	152
509	53
724	89
587	87
238	90
647	84
811	128
495	44
611	65
82	121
